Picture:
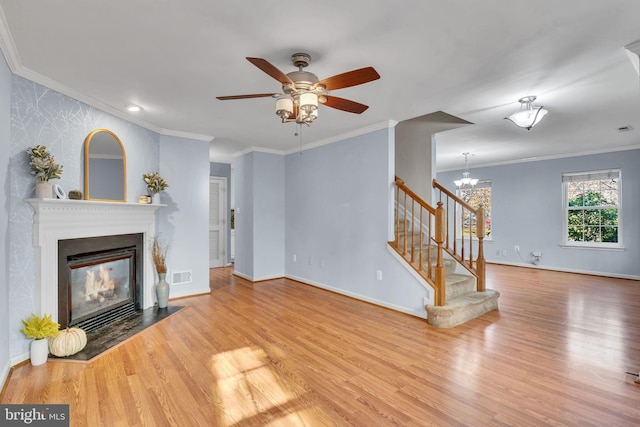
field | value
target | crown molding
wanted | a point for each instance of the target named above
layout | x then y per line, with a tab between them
550	157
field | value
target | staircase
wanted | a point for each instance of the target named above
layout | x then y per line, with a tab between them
429	241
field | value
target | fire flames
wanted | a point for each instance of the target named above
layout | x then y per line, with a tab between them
99	289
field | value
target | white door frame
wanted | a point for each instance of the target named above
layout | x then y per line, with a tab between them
222	224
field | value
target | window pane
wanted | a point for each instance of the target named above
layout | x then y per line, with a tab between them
592	217
609	217
576	233
576	217
592	234
610	234
610	197
575	194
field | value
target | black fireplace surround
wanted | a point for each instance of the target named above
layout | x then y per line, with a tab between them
100	280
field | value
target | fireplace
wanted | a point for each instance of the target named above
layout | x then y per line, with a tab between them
99	280
56	220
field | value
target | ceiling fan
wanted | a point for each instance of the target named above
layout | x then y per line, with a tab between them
303	91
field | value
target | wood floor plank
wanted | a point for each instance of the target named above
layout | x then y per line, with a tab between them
282	353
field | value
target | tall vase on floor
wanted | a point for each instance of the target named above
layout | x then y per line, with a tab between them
162	291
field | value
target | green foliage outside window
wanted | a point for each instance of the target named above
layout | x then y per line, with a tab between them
593	212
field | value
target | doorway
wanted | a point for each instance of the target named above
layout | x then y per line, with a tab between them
217	221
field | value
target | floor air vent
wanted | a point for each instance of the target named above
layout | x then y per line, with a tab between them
181	277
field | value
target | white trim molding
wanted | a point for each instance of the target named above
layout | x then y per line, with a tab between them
55	220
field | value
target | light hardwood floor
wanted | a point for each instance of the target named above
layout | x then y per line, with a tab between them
283	353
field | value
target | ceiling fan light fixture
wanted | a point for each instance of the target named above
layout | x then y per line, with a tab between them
308	107
528	116
284	108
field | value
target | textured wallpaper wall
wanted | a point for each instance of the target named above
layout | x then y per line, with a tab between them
41	116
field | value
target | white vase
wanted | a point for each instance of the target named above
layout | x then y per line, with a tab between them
39	351
155	199
44	190
162	291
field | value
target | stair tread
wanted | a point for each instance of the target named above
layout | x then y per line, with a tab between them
471	298
462	308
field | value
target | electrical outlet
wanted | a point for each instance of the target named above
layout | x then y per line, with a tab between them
321	263
504	253
517	248
310	261
295	258
378	274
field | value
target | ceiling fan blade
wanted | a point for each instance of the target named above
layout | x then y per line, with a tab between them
350	78
270	69
253	95
345	104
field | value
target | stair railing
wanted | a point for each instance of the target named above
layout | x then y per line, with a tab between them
458	233
419	237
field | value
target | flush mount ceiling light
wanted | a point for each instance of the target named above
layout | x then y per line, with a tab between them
302	91
134	108
466	177
528	115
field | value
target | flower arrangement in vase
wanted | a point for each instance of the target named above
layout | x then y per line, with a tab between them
44	167
155	184
39	329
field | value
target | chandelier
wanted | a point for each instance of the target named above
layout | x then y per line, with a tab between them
466	177
298	106
528	116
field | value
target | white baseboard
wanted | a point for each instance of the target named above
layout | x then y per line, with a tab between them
5	373
175	292
567	270
259	278
359	297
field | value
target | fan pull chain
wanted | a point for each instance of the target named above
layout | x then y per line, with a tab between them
299	134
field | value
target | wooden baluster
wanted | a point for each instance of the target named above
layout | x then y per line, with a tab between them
420	257
480	262
404	226
440	297
413	228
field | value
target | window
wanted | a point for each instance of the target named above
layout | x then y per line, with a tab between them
475	196
592	208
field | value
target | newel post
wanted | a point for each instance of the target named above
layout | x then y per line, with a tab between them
440	296
480	262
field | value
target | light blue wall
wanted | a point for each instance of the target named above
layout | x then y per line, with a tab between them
5	134
527	210
268	215
184	223
224	170
337	211
260	216
244	215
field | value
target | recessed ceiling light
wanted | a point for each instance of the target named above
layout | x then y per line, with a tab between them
134	108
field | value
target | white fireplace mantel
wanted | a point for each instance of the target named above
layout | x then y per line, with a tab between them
55	220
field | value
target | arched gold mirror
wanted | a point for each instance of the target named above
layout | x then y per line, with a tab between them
105	167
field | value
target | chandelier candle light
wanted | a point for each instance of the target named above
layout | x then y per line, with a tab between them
528	116
466	177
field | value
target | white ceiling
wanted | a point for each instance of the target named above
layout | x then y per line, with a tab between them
467	58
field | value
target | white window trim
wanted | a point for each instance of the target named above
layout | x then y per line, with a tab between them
590	175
